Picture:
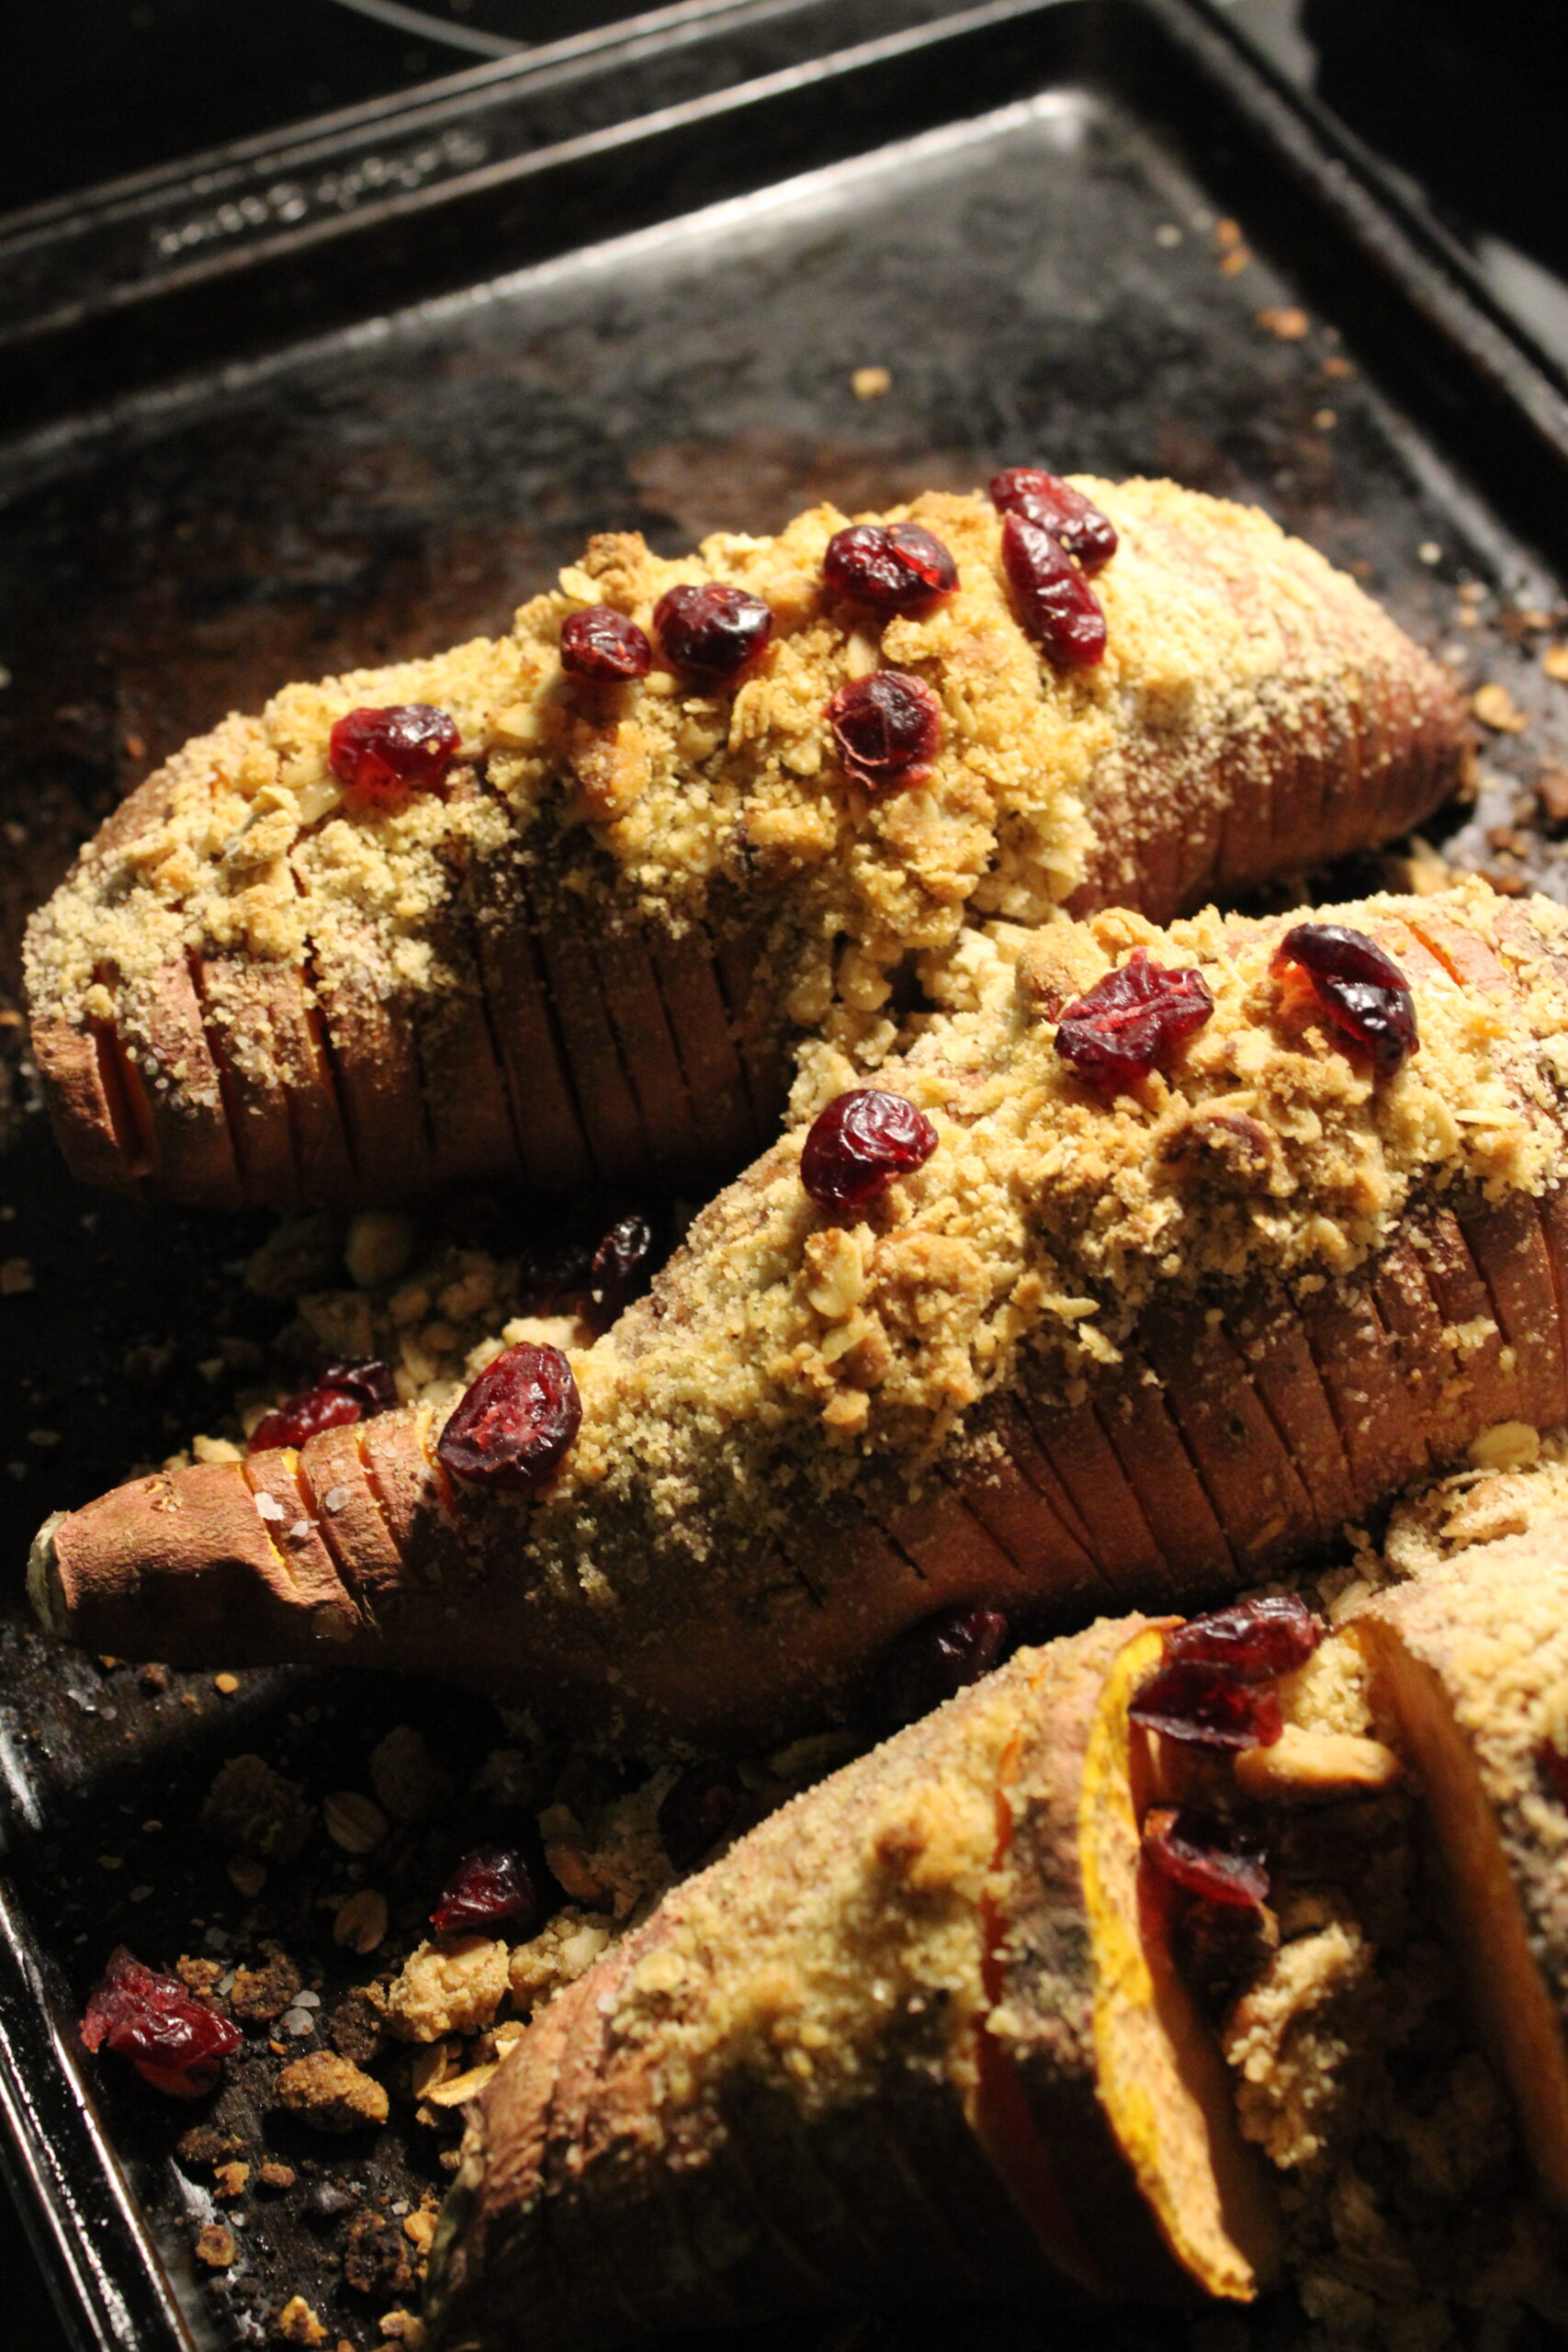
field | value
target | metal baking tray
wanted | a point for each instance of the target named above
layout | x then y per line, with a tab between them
361	390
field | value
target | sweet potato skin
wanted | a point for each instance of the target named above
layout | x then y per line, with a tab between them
780	2094
728	2118
573	1031
711	1561
449	1582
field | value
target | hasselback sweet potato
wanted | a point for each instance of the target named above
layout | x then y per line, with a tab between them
591	949
908	2041
1089	1353
1040	2003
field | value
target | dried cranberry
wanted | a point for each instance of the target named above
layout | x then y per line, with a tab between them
1073	520
407	748
1361	990
1057	606
1211	1859
602	644
1257	1639
1133	1022
305	1416
859	1145
172	2040
373	1384
698	1811
487	1886
515	1421
934	1659
712	630
893	567
621	1271
344	1393
886	727
1188	1698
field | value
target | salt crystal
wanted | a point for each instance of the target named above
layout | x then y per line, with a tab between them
307	2000
335	1498
269	1507
301	1528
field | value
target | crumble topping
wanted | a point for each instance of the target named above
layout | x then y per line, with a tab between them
1219	627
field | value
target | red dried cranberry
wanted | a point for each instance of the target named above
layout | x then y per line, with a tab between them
304	1417
1133	1022
1361	991
487	1886
712	630
1211	1859
172	2040
886	727
344	1393
621	1270
1073	520
407	748
515	1423
1207	1705
935	1658
601	644
373	1384
1057	606
859	1145
698	1811
1257	1639
892	567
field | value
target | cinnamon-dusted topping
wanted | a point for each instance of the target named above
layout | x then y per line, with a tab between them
255	849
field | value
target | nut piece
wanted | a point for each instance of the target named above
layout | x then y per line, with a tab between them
1316	1766
330	2094
452	1988
354	1822
298	2324
216	2246
259	1995
1227	1148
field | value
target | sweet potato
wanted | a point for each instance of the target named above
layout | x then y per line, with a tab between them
911	2038
769	2099
1065	1365
593	952
1471	1663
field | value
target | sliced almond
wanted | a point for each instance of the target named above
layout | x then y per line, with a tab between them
1316	1766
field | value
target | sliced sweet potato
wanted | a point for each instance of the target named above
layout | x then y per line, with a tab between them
697	856
816	1431
909	2039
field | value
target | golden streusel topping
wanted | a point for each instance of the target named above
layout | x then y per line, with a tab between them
1045	1216
1216	621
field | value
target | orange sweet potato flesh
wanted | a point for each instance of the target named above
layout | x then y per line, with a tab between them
852	2063
580	1031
